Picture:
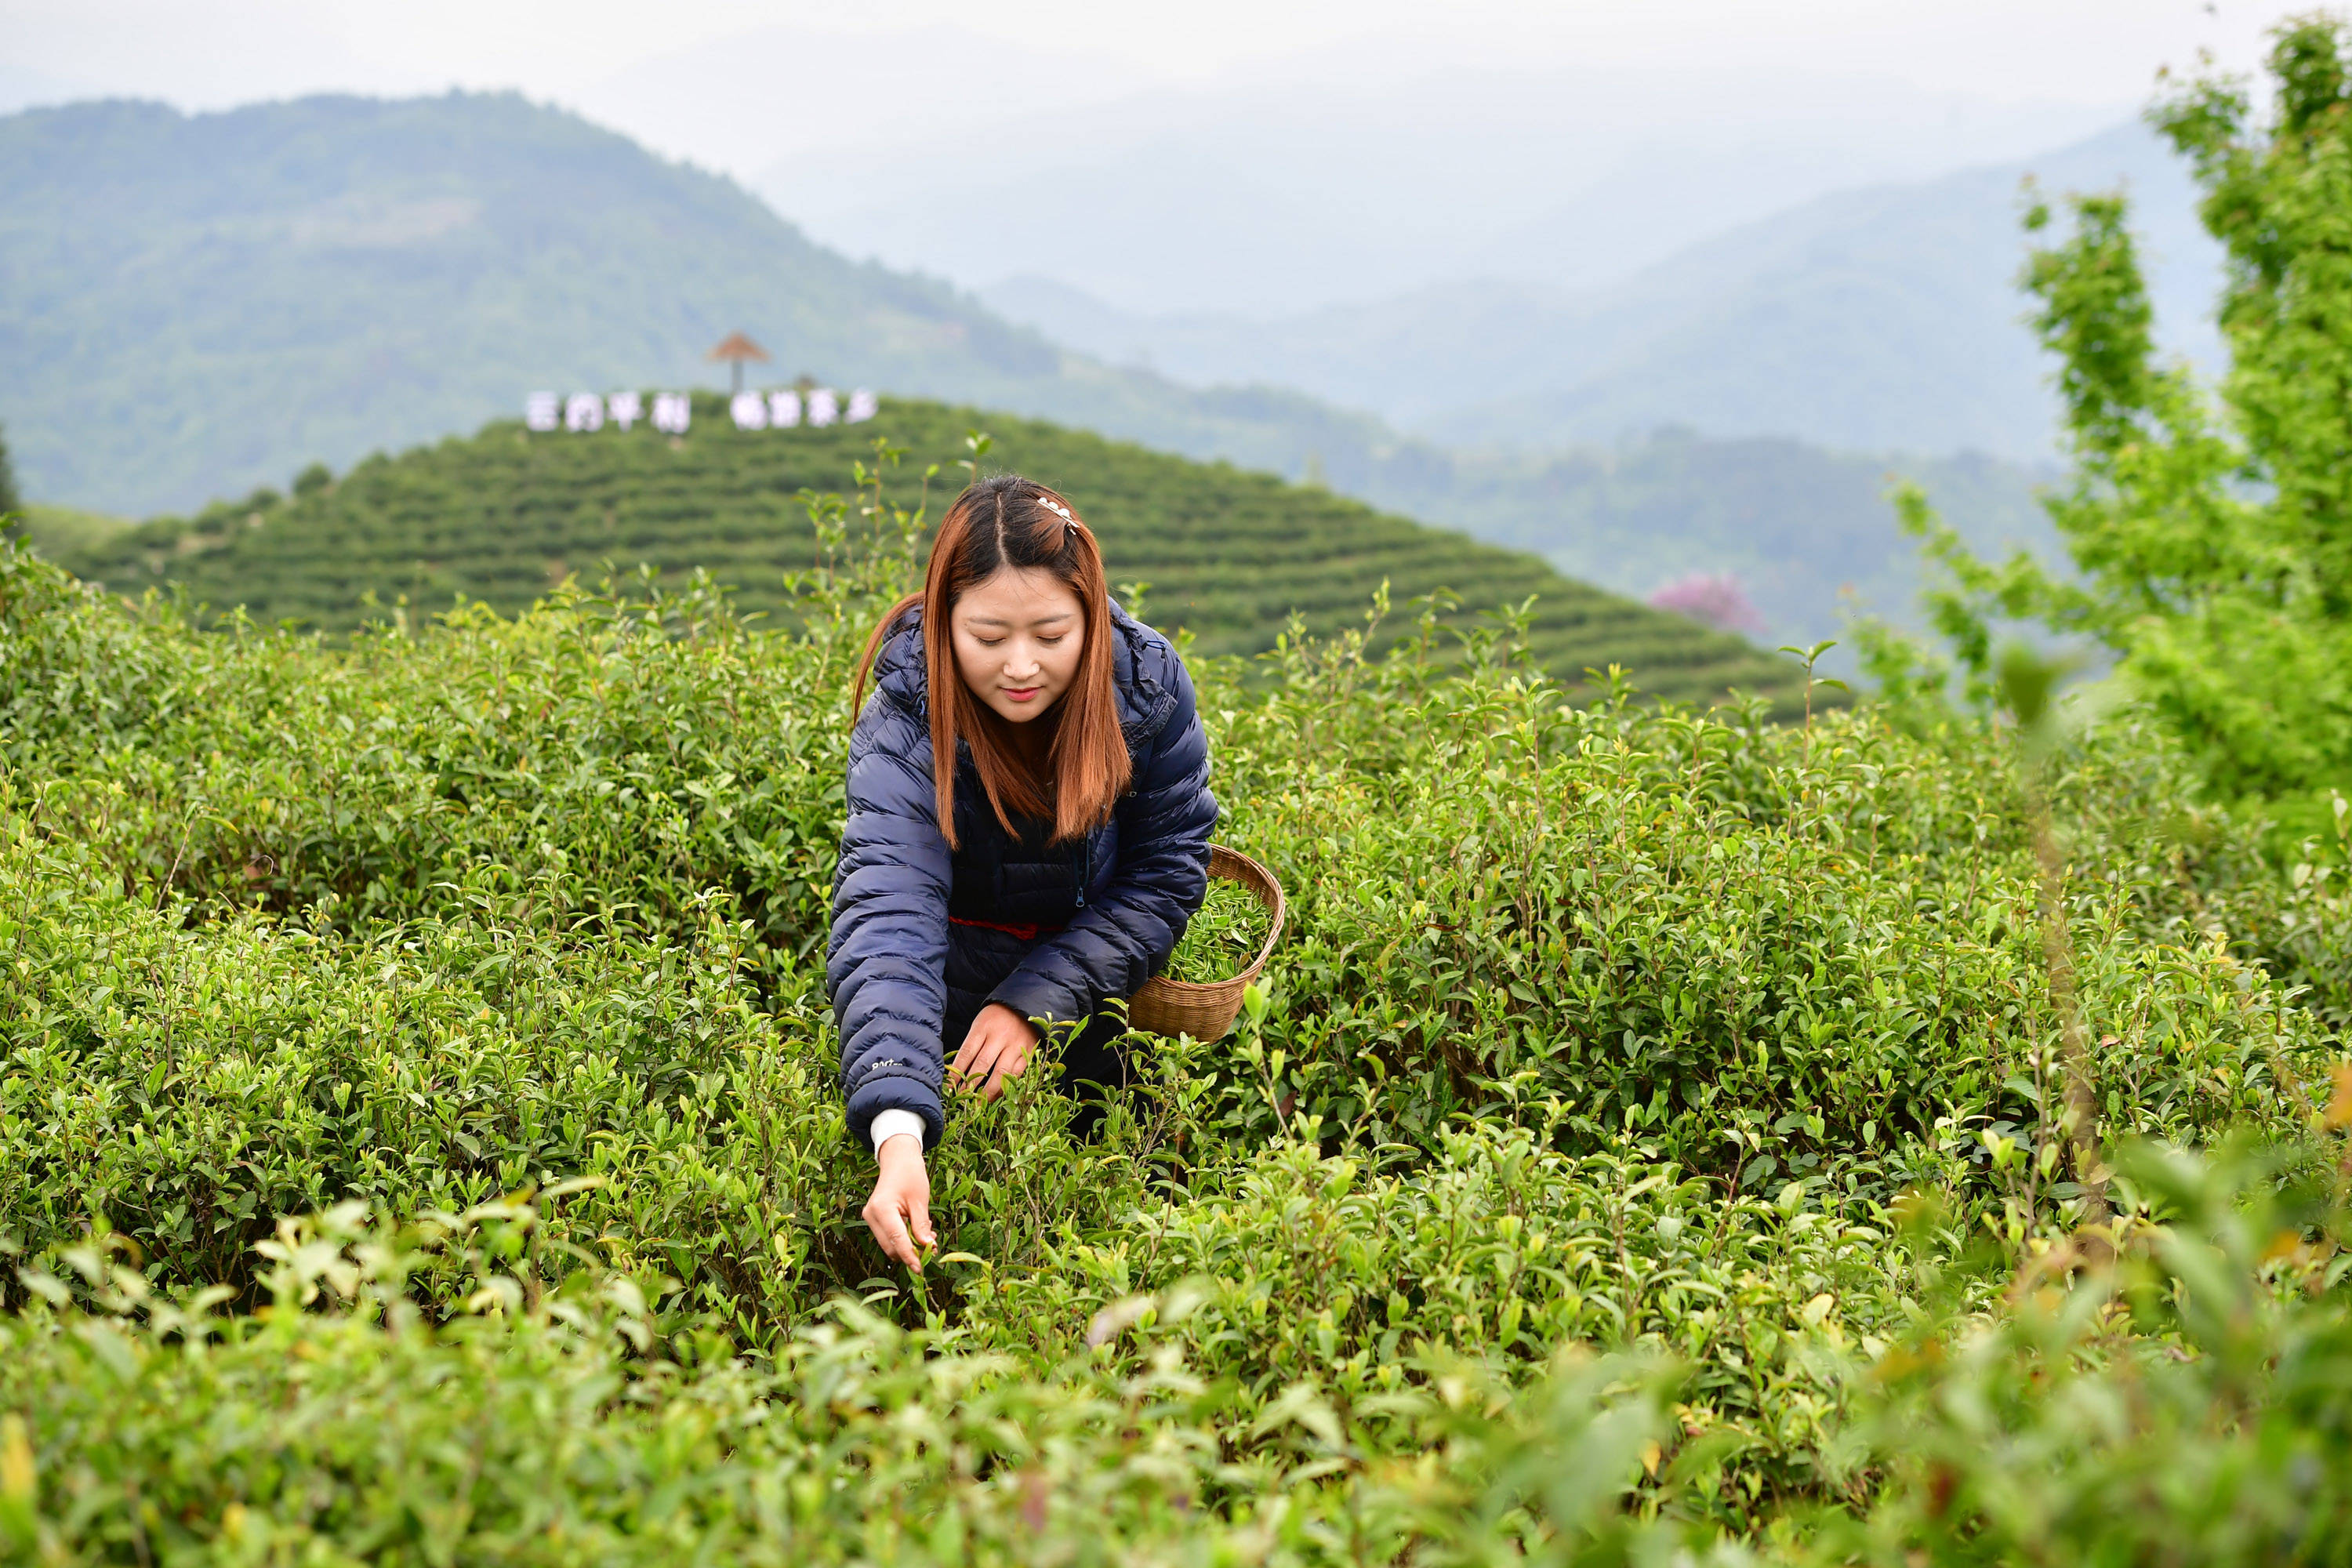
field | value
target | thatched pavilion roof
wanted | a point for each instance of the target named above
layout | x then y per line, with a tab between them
739	348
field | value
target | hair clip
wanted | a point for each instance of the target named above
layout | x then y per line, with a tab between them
1058	510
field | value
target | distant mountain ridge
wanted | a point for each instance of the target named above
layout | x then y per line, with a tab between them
291	281
1874	319
1276	196
197	304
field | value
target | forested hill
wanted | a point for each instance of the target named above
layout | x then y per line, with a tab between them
506	514
196	304
199	304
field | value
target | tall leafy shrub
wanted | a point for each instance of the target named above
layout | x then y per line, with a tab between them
10	502
2213	535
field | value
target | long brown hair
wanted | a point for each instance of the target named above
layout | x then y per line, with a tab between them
1002	522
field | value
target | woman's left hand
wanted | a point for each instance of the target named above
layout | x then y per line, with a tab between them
997	1048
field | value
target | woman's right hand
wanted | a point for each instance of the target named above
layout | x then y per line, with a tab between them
899	1211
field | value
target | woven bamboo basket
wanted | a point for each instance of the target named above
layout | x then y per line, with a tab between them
1166	1006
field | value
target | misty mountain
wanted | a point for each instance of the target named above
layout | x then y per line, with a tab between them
22	87
197	304
1882	318
1282	197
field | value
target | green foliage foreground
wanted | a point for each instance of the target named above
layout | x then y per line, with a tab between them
1649	1139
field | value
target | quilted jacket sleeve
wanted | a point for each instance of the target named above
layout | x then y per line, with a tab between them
1124	936
886	966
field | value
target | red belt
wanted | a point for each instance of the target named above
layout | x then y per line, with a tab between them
1027	933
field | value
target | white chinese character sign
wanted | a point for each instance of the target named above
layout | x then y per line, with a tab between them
584	413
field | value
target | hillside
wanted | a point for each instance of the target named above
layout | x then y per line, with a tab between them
1809	533
58	530
202	304
1876	318
505	515
197	304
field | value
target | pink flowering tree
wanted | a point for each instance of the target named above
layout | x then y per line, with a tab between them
1712	599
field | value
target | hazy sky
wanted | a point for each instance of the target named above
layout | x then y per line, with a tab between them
207	55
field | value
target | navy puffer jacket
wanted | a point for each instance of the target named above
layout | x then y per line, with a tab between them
904	980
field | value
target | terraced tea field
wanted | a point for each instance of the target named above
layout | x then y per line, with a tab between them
505	515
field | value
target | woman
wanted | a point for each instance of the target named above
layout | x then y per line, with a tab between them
1029	817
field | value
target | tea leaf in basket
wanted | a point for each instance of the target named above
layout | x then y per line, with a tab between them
1224	937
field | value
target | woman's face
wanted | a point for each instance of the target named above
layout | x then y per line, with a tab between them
1018	636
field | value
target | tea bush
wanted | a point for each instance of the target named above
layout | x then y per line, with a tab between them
1320	1294
1618	1031
2182	1401
545	1434
2185	1400
1767	952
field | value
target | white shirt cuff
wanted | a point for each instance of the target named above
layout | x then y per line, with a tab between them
889	1125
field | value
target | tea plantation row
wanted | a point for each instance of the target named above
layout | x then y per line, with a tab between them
1647	1144
505	515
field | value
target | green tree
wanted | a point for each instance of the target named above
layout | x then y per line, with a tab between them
2213	536
10	502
